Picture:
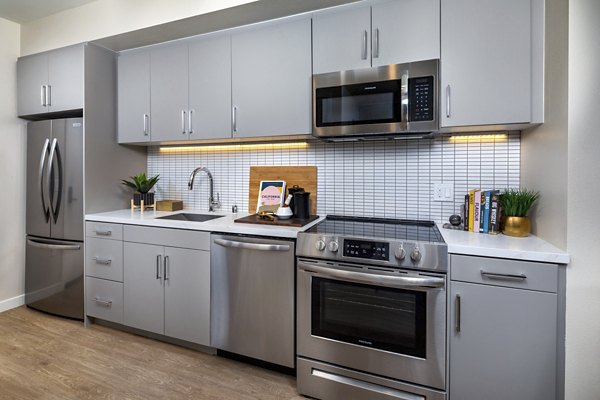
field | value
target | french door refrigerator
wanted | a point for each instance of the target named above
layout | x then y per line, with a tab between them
54	225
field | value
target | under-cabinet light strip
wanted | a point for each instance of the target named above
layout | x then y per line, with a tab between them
233	147
478	138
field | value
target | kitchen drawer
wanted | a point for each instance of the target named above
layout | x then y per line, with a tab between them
104	230
104	259
104	299
167	237
503	272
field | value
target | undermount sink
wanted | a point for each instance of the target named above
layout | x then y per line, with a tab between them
191	217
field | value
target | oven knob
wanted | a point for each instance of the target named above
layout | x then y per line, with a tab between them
320	245
415	255
333	246
400	253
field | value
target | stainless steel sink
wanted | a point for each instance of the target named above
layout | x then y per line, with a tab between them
191	217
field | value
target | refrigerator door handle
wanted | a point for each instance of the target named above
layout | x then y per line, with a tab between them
55	151
51	245
45	208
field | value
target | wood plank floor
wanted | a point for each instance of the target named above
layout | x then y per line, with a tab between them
44	357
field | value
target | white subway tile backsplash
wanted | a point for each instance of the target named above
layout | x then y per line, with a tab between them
392	179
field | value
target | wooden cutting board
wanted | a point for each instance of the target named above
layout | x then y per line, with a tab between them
304	176
294	222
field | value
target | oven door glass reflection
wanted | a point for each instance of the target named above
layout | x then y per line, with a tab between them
373	316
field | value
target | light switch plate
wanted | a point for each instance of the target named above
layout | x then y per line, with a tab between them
443	192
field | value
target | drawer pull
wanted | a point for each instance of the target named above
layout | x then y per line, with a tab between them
103	303
104	261
495	275
104	233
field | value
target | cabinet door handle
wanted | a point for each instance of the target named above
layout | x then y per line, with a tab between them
448	101
43	95
496	275
234	119
104	303
457	313
104	261
104	233
146	123
376	44
49	96
158	262
183	121
166	268
364	44
190	121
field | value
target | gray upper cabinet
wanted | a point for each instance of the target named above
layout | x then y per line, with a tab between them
503	329
134	119
486	66
386	33
210	88
169	98
51	81
404	31
271	79
341	40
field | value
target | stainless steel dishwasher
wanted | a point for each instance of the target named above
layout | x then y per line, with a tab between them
252	297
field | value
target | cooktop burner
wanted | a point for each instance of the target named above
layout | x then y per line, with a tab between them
379	228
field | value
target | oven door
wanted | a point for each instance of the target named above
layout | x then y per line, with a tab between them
388	323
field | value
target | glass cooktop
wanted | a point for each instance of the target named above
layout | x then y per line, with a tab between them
379	228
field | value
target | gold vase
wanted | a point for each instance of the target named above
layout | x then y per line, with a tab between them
517	226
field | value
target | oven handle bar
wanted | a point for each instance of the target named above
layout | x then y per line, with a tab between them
401	282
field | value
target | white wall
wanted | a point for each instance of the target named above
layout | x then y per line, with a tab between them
544	148
583	233
12	168
103	18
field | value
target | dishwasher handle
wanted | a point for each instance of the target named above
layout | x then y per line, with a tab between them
252	246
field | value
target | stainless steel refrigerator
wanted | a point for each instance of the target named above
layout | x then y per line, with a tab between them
55	232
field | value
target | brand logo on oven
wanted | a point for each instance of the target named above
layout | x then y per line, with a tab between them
365	342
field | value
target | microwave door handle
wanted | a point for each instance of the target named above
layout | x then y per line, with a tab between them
404	105
401	282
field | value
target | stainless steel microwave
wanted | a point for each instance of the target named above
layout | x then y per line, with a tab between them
400	100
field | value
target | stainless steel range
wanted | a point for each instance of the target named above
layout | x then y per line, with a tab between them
372	310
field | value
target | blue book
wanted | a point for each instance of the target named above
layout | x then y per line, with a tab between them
486	215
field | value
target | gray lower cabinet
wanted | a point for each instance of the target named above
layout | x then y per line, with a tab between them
271	79
134	118
167	291
503	335
50	81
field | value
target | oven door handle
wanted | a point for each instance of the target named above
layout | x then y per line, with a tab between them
400	282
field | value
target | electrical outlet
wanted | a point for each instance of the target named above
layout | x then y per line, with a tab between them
443	192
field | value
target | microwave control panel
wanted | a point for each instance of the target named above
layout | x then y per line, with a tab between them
420	99
366	249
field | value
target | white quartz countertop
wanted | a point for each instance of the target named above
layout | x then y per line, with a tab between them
530	248
225	224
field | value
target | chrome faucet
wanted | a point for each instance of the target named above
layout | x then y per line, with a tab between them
212	202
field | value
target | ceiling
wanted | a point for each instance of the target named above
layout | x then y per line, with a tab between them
22	11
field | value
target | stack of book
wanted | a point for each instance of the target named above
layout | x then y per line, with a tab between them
482	211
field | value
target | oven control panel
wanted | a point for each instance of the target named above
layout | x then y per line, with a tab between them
367	249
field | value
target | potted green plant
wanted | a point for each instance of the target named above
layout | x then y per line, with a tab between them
516	204
142	186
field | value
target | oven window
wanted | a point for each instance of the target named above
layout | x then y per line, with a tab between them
373	316
359	104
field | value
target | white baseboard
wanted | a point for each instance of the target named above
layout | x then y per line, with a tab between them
14	302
